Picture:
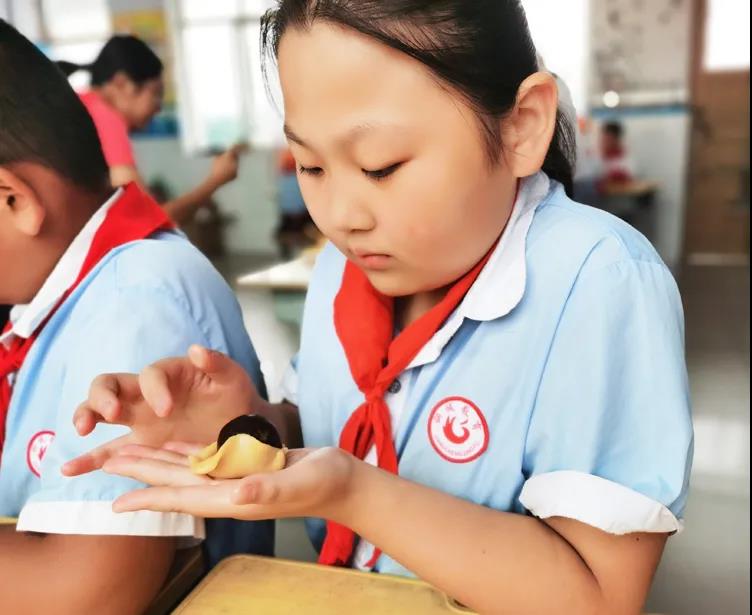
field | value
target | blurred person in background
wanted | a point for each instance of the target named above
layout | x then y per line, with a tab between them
125	94
296	228
616	164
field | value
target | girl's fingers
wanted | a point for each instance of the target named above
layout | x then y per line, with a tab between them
155	387
297	484
104	396
183	448
94	459
158	454
211	500
85	419
218	366
153	471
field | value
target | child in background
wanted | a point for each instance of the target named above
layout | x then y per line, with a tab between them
294	219
126	93
98	280
617	166
491	383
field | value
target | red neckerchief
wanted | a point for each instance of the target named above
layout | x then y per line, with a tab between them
132	217
364	321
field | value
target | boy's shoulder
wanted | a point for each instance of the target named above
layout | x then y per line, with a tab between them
166	261
163	269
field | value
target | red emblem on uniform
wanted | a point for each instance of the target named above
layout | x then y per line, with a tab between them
37	449
458	430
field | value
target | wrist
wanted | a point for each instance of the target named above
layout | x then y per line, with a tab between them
346	503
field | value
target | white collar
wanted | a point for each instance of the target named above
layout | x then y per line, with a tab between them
26	318
501	284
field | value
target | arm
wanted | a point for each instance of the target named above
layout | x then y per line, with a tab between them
122	174
497	562
224	169
183	207
491	561
65	574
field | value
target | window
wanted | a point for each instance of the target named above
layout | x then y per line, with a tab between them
727	35
76	31
223	98
72	30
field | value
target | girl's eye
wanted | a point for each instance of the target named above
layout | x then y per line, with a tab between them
383	173
315	171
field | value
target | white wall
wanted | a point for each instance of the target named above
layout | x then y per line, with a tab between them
641	48
250	198
560	32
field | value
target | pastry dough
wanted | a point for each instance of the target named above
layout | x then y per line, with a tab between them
238	453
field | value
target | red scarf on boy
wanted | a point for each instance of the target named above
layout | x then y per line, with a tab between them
132	217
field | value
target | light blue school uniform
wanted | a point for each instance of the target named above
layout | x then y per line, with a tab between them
558	386
145	301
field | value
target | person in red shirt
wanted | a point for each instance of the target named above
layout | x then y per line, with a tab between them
125	94
617	167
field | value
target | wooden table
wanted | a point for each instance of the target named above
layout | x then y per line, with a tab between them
634	188
267	586
8	520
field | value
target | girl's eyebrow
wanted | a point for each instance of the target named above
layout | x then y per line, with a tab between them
350	137
293	137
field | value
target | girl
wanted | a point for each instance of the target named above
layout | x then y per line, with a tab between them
126	93
490	382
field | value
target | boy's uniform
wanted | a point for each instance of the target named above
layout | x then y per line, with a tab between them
138	301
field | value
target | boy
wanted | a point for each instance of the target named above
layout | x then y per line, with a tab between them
100	282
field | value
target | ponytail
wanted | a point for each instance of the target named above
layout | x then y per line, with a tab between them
69	68
122	53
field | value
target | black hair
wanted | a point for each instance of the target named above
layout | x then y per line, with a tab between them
481	48
42	119
614	129
122	53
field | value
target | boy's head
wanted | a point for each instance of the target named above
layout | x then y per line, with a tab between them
52	170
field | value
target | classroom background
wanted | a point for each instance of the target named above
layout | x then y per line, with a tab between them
660	92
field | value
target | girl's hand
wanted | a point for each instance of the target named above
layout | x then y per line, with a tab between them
315	482
186	398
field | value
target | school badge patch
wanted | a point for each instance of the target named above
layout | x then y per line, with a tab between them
458	430
37	449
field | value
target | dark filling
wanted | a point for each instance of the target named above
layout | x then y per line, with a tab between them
253	425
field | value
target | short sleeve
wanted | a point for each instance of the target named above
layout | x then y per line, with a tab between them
116	143
112	131
138	327
610	438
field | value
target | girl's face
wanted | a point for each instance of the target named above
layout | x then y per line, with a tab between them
392	164
139	103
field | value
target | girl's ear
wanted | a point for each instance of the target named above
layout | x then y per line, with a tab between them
528	129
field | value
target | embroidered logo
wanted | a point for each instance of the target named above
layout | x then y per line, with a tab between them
37	449
458	430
